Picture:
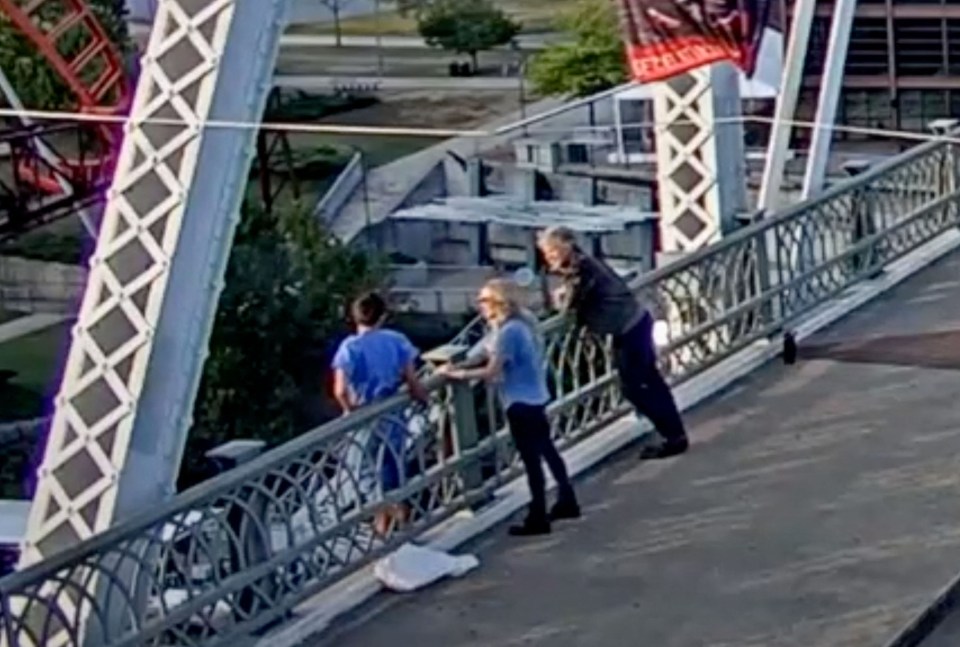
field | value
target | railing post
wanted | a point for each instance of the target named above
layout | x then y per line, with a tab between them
466	432
949	172
247	517
864	226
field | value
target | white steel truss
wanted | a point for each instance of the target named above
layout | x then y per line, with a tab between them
700	156
131	375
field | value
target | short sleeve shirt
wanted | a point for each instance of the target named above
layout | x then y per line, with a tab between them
373	363
524	378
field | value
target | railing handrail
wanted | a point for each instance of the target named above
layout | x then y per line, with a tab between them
789	295
183	502
223	482
788	213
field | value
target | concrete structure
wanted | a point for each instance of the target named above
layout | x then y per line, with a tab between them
461	242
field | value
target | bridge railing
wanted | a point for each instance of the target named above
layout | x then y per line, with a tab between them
231	556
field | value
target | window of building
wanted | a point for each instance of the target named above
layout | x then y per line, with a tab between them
919	107
953	46
866	109
919	46
868	52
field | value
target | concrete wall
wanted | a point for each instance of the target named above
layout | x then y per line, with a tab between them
431	186
458	244
38	286
406	181
343	188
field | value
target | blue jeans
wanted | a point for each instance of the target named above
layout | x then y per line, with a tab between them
389	434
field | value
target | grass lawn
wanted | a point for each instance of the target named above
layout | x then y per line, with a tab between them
378	150
37	359
537	16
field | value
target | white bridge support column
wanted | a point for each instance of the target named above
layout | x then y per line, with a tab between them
700	157
131	377
700	170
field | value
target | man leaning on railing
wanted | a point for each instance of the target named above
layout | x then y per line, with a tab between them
602	303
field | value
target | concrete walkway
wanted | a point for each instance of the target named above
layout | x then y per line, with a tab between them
310	82
818	508
526	42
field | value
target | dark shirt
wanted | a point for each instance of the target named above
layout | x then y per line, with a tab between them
598	297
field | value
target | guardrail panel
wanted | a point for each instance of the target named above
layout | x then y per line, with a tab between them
231	555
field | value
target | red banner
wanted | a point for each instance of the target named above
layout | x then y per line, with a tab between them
665	38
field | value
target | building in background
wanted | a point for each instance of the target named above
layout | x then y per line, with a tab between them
902	68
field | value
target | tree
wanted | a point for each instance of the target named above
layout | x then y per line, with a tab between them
593	62
335	7
37	84
465	26
287	283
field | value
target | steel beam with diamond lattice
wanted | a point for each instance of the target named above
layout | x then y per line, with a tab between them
131	376
700	156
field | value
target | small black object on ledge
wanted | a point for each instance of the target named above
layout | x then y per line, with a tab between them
789	348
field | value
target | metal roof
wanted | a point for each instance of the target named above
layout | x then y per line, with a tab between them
502	210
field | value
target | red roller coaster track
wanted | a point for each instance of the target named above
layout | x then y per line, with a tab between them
73	42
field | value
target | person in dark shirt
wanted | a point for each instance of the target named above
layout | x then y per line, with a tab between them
601	302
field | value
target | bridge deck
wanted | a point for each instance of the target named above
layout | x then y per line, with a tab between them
818	507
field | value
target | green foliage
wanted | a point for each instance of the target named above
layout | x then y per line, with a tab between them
465	26
286	287
37	84
50	246
593	62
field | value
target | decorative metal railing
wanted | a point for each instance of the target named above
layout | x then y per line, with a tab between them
233	555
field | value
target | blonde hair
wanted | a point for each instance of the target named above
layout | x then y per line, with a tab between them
505	297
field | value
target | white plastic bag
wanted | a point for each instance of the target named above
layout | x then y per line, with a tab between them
412	567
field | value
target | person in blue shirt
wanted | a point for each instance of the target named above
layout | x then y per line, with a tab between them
371	365
515	361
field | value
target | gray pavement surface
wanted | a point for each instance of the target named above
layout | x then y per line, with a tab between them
818	507
309	83
357	61
525	41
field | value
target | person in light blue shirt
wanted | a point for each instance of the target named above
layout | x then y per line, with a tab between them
371	365
515	361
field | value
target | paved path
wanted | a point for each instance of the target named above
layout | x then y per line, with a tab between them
28	324
818	508
527	42
308	82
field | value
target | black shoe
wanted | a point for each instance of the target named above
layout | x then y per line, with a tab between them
666	450
564	510
530	528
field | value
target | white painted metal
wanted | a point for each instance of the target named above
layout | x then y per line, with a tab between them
786	104
130	380
618	127
831	84
700	156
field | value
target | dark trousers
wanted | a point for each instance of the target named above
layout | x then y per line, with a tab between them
531	436
641	382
